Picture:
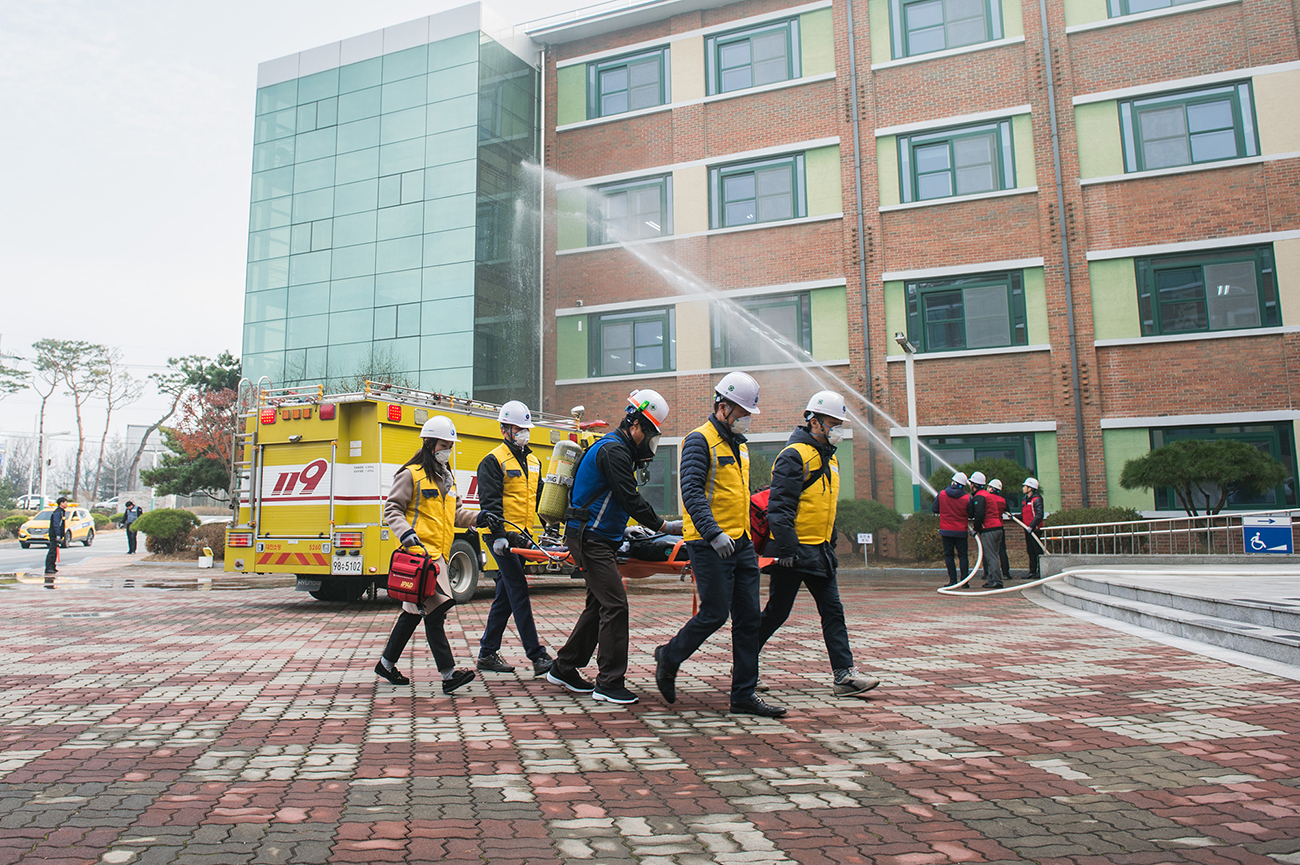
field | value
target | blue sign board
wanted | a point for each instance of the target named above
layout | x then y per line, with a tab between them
1267	534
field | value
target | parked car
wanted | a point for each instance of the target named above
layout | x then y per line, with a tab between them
80	527
108	504
28	503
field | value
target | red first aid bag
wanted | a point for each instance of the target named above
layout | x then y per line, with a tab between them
759	530
412	576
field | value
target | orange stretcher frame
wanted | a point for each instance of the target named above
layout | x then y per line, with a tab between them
633	569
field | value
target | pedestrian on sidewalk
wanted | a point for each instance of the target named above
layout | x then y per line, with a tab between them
715	494
952	504
509	488
130	514
986	508
801	511
54	538
604	497
1032	513
423	510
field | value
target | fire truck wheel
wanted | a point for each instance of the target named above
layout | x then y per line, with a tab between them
462	571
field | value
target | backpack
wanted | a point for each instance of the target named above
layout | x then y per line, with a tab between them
759	529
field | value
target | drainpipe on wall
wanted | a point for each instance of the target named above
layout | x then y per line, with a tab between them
862	249
1065	254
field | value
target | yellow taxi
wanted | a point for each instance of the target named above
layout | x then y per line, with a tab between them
78	526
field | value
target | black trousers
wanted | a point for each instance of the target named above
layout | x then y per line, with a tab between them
604	619
825	590
726	587
130	540
52	557
1031	542
959	546
434	631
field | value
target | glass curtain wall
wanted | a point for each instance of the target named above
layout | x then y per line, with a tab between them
388	232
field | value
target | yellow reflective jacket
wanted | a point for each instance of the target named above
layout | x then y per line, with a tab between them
725	486
518	487
814	521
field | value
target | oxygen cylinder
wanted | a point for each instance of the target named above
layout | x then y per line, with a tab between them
558	480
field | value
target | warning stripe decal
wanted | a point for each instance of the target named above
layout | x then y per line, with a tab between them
319	559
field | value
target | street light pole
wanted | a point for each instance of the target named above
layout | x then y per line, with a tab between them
909	367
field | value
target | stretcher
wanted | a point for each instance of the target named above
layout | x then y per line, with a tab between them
633	569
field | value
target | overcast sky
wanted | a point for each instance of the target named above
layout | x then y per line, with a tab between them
125	154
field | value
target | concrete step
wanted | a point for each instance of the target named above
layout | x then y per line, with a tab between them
1254	627
1279	613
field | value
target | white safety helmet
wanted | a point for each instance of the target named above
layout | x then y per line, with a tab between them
829	403
978	478
439	427
517	414
651	404
961	479
995	484
1032	483
740	388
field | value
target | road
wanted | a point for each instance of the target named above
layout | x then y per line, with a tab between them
15	558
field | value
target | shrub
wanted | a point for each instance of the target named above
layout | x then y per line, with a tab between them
101	520
1088	516
864	515
167	530
13	524
919	537
117	518
211	535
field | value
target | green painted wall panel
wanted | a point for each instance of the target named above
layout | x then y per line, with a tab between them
571	347
895	315
1013	19
1120	446
902	476
878	18
887	162
844	453
830	323
571	94
1036	307
1101	152
571	218
1114	299
1022	142
1049	470
822	170
816	42
1085	11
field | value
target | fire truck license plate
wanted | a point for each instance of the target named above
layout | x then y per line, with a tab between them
345	565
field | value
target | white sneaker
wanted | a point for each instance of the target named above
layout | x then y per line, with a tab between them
855	685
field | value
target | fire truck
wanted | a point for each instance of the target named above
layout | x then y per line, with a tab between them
310	472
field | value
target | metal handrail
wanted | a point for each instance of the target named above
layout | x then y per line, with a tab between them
1206	534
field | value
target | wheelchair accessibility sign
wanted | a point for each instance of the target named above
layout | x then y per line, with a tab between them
1267	534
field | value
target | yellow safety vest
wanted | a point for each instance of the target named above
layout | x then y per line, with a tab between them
814	521
726	487
432	514
518	488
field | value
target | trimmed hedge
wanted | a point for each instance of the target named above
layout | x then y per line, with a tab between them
864	515
1084	516
919	537
167	530
13	524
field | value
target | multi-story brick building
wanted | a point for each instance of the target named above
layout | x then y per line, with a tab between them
896	164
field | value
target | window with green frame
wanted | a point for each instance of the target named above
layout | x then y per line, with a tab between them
922	26
623	343
737	341
1188	128
1120	8
752	57
634	210
1229	289
1275	439
749	193
984	311
658	481
627	83
964	161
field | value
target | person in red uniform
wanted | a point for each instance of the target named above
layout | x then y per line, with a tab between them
986	510
1031	514
952	504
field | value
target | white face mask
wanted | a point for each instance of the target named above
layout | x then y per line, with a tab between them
443	457
521	438
834	435
741	424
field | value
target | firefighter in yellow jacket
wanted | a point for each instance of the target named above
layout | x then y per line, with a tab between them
509	487
801	515
423	510
715	494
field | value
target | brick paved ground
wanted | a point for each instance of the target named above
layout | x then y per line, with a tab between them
165	726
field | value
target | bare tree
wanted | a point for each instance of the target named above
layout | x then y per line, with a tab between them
119	389
80	366
44	382
172	384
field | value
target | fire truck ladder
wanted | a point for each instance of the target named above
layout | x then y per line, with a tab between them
244	453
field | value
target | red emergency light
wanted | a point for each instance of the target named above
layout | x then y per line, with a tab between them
327	411
268	415
239	540
395	413
348	539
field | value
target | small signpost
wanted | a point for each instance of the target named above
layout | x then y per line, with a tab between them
1267	534
865	539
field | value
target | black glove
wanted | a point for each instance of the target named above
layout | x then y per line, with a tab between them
785	562
495	524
